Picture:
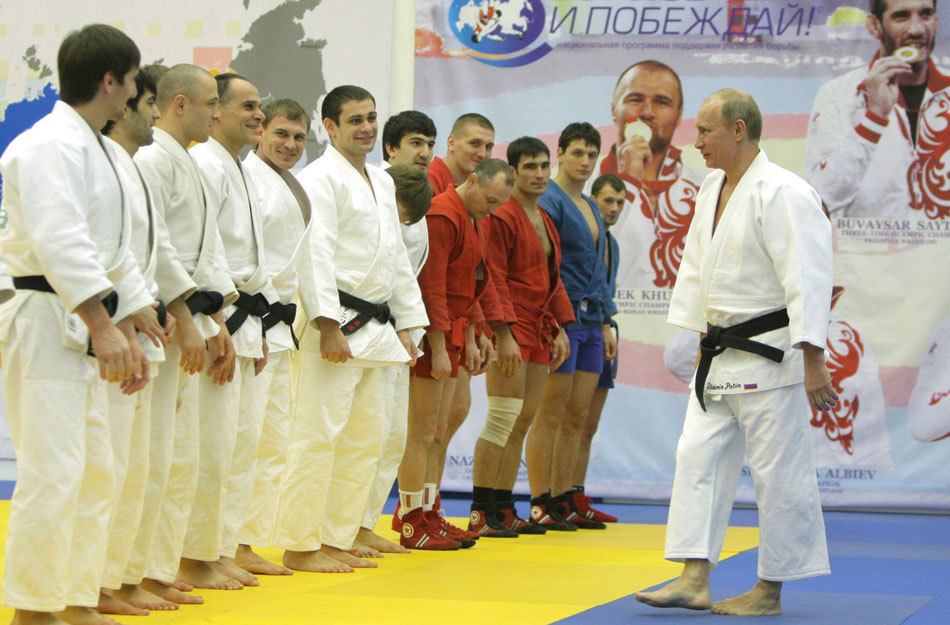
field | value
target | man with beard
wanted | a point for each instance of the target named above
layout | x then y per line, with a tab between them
661	190
875	144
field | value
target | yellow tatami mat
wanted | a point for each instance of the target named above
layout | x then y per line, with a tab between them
526	580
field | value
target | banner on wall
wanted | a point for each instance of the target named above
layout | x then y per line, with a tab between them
533	66
296	49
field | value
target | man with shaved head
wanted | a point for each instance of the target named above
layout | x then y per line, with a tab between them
759	294
188	101
647	107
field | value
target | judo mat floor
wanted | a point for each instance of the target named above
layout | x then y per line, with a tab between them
886	570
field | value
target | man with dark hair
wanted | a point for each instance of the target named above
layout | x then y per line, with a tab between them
413	197
524	258
759	294
609	192
453	281
285	212
130	417
361	301
875	142
408	138
555	435
188	101
78	290
647	107
230	414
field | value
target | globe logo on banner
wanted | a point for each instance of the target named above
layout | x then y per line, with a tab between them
503	33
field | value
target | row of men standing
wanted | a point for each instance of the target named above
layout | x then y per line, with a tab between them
157	475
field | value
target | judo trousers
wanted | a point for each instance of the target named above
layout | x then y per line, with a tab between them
129	419
271	452
243	467
218	416
771	429
62	504
334	450
395	430
173	473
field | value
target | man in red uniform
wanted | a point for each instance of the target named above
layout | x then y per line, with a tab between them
524	259
469	143
453	281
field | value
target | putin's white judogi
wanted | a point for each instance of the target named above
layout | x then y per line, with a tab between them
285	210
416	238
230	413
355	246
63	204
771	250
180	209
130	416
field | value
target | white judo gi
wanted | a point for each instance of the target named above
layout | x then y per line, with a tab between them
180	209
130	416
355	246
770	250
63	204
864	165
285	210
928	409
416	238
231	414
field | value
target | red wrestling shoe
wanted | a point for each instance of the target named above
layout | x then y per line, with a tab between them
397	518
438	525
582	504
547	516
507	515
417	534
484	522
565	506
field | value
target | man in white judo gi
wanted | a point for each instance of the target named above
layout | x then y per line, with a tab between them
65	240
231	415
285	210
361	300
188	102
876	141
756	281
130	417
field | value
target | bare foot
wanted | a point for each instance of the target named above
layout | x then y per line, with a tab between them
141	598
346	558
680	593
377	542
764	598
364	551
182	585
201	574
228	567
169	592
29	617
314	562
250	561
75	615
110	605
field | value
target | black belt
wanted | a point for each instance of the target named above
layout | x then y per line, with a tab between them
717	339
205	302
366	311
162	313
247	304
39	283
282	313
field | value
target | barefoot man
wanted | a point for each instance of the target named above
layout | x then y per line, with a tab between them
755	282
361	300
286	219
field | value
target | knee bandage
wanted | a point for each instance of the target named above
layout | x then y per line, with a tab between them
502	414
